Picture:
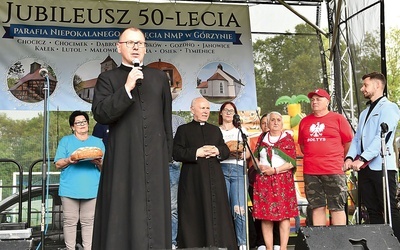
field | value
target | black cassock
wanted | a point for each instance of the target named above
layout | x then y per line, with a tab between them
204	215
133	208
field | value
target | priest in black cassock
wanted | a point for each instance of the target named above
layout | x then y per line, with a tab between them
205	219
133	210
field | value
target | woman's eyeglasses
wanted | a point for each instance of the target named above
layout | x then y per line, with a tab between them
80	123
228	111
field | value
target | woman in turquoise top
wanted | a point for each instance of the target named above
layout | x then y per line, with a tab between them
79	180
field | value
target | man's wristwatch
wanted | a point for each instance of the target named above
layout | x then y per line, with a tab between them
362	159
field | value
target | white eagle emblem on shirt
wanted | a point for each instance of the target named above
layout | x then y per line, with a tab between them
316	129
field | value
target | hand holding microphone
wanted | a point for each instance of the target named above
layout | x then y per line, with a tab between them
135	76
136	64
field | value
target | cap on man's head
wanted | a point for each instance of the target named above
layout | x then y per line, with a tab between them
320	92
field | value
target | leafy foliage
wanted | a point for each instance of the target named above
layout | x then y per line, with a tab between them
14	74
22	142
393	64
286	65
16	70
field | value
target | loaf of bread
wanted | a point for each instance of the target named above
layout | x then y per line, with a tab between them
86	153
234	147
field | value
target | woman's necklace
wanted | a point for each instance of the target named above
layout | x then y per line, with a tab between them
269	138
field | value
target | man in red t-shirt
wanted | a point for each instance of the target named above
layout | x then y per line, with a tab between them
324	138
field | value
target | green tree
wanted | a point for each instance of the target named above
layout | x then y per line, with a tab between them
366	58
14	74
16	70
23	139
286	65
8	148
393	64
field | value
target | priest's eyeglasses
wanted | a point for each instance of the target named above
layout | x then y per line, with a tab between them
131	44
80	123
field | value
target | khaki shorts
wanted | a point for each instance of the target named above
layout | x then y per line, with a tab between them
322	190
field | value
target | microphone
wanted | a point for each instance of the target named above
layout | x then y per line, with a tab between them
44	72
136	64
384	129
236	120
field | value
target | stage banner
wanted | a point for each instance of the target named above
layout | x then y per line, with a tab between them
205	49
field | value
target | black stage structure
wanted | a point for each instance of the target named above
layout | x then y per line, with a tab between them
351	24
354	27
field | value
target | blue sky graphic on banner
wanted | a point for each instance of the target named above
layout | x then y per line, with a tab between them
205	49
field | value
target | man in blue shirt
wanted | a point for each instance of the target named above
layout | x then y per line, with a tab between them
364	154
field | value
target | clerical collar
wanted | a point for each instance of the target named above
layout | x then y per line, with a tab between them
131	66
200	123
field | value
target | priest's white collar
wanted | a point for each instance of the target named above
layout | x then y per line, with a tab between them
130	65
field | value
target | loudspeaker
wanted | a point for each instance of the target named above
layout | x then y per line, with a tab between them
204	248
361	237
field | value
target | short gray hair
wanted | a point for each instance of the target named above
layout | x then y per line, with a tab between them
274	113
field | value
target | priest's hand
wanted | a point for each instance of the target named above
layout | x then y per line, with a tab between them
201	152
212	151
207	151
135	74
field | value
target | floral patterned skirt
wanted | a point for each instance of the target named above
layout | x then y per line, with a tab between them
274	197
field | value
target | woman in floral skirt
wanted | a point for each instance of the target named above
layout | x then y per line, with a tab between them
274	189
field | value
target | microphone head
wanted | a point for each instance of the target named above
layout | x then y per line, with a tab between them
44	72
236	120
384	127
136	62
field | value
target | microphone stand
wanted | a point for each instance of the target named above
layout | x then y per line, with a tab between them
44	164
246	145
385	184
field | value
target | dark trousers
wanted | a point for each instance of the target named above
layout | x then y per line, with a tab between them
371	190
